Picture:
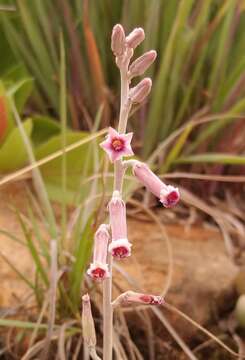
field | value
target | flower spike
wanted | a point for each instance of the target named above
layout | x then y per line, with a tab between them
117	145
167	194
120	247
98	269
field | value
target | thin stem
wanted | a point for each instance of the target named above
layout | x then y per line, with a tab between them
118	181
124	108
107	314
94	355
123	118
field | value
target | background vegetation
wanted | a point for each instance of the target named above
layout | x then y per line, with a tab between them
59	86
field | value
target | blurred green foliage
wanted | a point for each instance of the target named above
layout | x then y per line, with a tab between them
200	68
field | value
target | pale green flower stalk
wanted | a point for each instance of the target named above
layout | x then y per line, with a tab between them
111	240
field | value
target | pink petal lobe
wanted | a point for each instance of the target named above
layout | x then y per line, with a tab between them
113	133
128	137
106	145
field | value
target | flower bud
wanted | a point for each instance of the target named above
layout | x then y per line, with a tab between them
118	43
167	194
98	269
135	38
140	65
138	93
131	297
88	329
120	246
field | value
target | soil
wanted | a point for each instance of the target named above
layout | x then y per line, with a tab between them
201	285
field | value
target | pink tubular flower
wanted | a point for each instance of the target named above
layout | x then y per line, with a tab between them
120	247
117	145
168	195
98	269
131	297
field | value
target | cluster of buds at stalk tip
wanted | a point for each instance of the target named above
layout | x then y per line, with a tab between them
118	145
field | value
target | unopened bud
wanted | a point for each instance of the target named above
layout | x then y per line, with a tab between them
135	38
140	65
118	44
138	93
88	329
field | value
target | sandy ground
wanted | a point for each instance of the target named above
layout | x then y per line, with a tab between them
202	273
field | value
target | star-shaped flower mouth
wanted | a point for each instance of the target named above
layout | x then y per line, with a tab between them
117	145
98	271
169	196
151	299
120	252
120	249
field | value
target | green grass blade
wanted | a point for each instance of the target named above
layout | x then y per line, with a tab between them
212	129
176	149
38	236
155	120
18	272
220	57
63	117
33	251
37	178
21	324
82	254
212	158
12	237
